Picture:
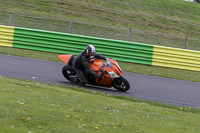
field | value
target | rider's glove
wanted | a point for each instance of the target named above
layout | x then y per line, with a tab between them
99	75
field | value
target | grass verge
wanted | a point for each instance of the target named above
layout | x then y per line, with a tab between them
129	67
152	22
28	106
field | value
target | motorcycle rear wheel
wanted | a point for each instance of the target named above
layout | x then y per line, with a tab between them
121	84
69	73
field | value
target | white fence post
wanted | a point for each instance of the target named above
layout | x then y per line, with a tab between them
70	26
129	34
10	19
186	42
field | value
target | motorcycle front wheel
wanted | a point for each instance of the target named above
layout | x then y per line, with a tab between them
69	73
121	84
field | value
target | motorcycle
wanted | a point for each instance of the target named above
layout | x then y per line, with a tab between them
111	73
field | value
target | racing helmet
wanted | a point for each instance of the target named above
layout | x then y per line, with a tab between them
90	51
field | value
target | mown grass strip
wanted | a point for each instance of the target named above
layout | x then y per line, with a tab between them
28	106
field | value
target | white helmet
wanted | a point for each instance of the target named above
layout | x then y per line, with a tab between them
90	51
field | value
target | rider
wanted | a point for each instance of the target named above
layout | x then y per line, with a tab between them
81	65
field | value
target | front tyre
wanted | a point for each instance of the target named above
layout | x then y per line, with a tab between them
69	73
121	84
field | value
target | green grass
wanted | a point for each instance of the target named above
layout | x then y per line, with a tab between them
129	67
28	106
163	22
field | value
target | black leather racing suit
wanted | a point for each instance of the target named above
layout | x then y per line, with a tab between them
82	67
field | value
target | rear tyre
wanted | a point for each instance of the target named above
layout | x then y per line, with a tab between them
69	73
121	84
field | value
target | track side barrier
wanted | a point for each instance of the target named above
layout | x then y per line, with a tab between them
73	44
133	52
6	36
176	58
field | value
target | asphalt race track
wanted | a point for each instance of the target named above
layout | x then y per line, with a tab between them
171	91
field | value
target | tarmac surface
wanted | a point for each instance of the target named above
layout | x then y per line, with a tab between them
170	91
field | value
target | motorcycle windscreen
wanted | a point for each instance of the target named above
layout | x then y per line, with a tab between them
64	58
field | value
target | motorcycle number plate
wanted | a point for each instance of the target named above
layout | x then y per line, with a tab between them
113	74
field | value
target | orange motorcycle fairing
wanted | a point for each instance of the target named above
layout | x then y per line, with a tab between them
108	69
105	81
112	61
116	70
95	65
65	58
